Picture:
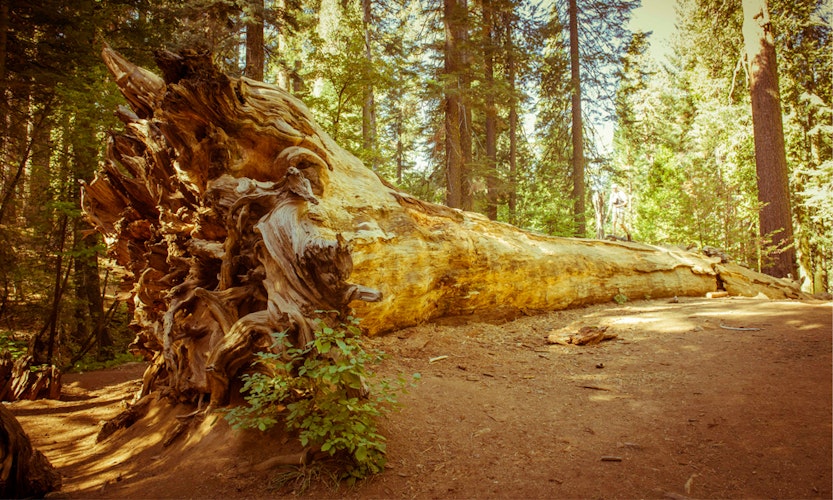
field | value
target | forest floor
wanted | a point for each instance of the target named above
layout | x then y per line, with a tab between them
677	406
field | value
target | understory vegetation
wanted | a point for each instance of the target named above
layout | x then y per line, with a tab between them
326	393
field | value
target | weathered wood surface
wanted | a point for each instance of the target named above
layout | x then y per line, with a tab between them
19	379
238	216
24	471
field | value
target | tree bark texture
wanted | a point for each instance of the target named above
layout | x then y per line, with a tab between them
492	193
255	52
578	125
369	102
238	217
512	202
775	218
457	135
24	471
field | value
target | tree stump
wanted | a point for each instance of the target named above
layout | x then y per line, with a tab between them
20	380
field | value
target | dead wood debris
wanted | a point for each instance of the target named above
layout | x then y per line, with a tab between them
586	335
594	387
125	419
740	328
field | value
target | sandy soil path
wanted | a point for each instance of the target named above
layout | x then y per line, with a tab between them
726	398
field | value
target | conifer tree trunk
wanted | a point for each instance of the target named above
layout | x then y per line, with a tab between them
466	112
577	128
457	117
368	104
255	52
491	111
775	218
512	201
4	36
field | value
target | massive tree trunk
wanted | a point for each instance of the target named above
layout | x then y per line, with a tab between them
369	102
512	201
24	471
770	155
457	113
238	217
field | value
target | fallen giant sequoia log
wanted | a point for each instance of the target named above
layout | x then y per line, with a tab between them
238	216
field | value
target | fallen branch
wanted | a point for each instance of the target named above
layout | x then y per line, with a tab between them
740	328
586	335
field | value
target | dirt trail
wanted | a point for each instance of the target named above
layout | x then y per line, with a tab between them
726	398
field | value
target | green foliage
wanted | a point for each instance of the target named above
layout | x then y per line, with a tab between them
317	390
89	363
684	142
15	347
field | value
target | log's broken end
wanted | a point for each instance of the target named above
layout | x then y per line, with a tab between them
141	87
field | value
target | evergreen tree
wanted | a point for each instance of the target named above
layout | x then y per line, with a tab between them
457	111
577	129
803	40
691	129
598	36
770	152
56	113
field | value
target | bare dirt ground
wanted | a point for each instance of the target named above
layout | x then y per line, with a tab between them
678	406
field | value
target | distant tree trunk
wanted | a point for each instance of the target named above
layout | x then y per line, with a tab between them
491	111
466	111
32	133
59	286
512	201
577	129
457	133
400	147
255	53
4	37
368	104
90	317
770	156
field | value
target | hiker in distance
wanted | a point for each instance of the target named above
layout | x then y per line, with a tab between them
618	204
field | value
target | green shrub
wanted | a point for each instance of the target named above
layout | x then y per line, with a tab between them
620	298
318	391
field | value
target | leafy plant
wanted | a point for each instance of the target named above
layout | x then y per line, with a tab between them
15	347
319	391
